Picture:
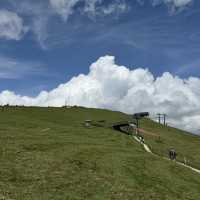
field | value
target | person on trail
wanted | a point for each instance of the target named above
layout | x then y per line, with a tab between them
141	138
185	161
172	154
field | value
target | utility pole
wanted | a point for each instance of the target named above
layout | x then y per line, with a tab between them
137	122
159	117
163	117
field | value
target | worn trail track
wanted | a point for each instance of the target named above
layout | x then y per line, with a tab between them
146	147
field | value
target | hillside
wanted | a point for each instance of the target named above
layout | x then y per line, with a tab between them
49	154
186	144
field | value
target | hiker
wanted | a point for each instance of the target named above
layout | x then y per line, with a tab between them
185	161
172	154
141	139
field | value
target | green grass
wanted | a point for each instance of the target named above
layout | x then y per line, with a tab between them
186	144
48	154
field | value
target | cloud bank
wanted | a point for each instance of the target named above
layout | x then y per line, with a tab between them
110	86
11	25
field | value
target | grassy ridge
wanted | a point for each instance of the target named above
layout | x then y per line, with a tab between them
47	153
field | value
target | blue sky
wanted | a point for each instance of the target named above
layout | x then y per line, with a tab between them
125	55
56	46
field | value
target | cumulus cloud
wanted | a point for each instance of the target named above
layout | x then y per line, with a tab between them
110	86
65	8
11	25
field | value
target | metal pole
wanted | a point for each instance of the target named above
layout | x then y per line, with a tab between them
159	116
164	115
164	119
137	122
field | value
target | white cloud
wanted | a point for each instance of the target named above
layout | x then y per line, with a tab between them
90	6
179	3
173	5
39	28
11	25
108	85
117	7
65	8
38	17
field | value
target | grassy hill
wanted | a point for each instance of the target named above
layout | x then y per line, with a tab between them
48	154
186	144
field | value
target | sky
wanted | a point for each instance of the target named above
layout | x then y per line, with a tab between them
126	55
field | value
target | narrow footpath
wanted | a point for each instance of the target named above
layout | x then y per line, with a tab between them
147	149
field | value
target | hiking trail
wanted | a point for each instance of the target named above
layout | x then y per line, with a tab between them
147	149
117	126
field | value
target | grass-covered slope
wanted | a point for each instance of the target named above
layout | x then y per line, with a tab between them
48	154
186	144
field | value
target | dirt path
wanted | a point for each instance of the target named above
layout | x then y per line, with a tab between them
147	149
45	130
187	166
